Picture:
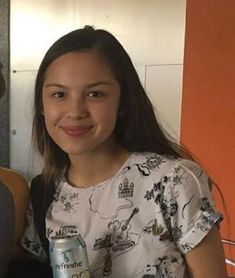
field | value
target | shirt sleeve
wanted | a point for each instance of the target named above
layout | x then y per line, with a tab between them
189	209
30	239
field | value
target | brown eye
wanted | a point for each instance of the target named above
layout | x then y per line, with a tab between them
58	94
95	94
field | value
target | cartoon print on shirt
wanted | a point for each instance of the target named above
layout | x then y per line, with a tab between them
173	208
126	189
152	163
206	206
212	216
121	229
105	243
209	216
67	202
67	230
187	246
156	193
113	211
118	241
152	227
168	208
63	230
185	205
162	269
120	237
202	225
49	231
107	269
178	175
176	233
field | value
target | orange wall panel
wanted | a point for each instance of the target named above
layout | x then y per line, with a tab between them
208	101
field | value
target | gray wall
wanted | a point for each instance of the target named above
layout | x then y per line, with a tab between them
4	102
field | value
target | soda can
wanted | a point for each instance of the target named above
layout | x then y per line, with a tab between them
68	257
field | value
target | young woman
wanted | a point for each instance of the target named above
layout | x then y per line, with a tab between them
110	173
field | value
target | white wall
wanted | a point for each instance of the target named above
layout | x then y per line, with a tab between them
152	31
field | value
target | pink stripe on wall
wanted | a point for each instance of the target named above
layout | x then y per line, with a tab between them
208	101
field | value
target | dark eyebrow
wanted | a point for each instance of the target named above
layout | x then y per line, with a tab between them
88	86
100	83
54	85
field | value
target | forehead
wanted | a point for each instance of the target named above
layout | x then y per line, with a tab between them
79	65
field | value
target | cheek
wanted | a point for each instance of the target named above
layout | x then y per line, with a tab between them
51	116
50	111
106	115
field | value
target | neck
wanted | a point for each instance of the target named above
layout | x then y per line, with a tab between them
92	168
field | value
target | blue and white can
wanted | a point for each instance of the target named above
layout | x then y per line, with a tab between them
68	257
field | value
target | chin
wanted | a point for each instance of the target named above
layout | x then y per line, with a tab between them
76	152
80	148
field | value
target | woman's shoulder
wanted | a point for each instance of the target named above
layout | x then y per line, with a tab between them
168	166
157	161
153	158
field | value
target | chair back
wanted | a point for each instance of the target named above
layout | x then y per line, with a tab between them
14	199
7	222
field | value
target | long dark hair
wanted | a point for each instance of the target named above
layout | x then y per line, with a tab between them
136	129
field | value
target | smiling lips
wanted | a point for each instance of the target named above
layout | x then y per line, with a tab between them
76	130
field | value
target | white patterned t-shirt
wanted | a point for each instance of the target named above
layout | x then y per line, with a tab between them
137	224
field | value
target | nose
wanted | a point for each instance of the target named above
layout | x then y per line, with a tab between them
77	108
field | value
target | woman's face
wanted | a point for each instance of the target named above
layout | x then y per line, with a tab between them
80	102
